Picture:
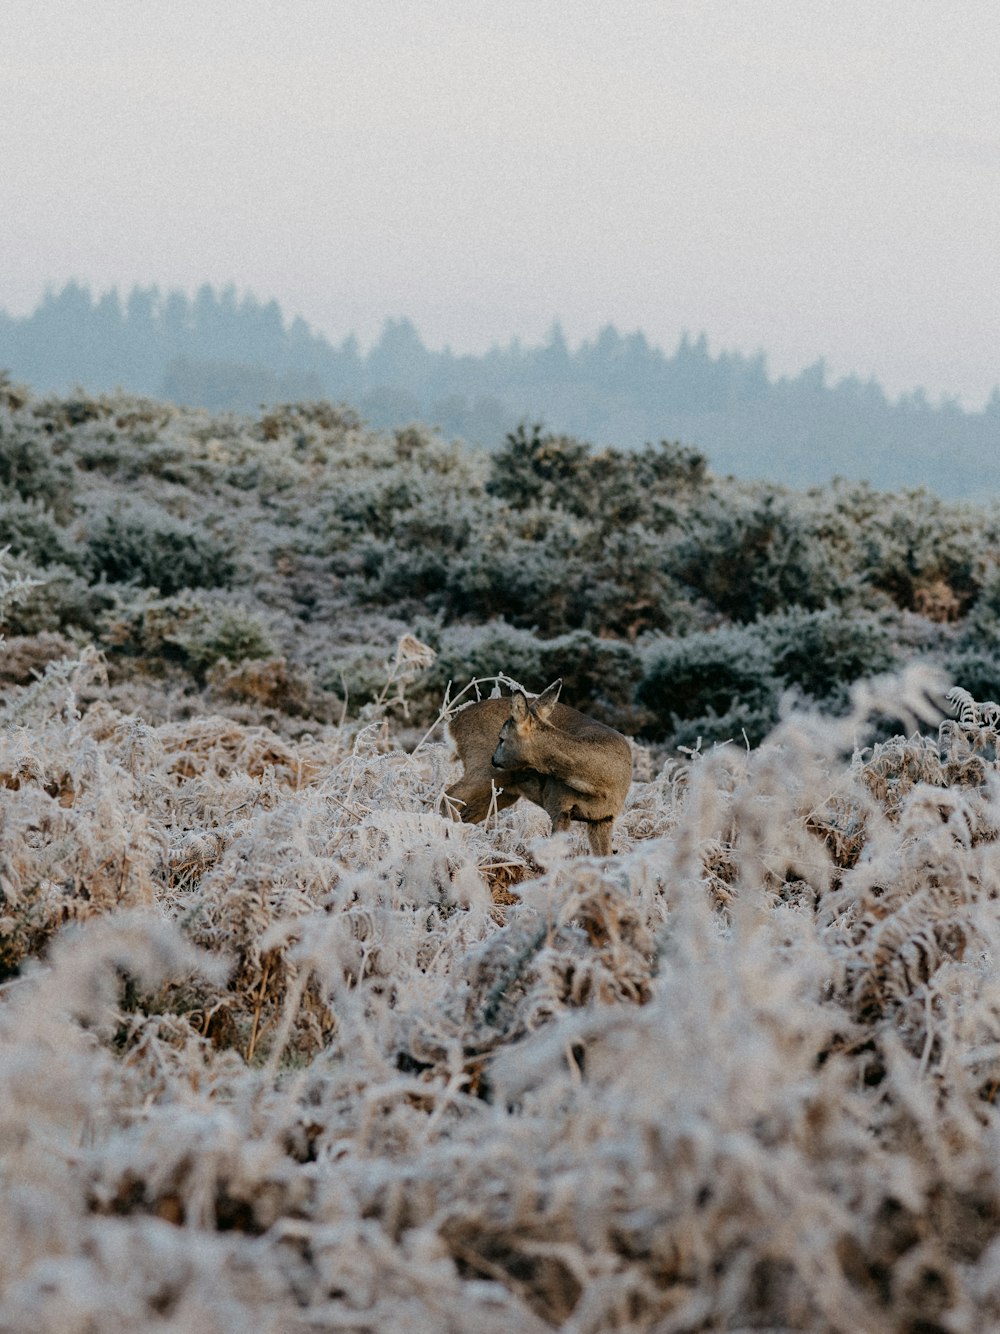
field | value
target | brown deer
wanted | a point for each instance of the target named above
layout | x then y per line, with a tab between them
572	766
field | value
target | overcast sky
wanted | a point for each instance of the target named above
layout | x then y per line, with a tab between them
810	179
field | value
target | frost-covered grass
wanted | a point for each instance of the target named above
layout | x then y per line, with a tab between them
284	1048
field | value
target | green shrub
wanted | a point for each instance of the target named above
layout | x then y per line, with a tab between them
150	547
383	572
612	487
532	468
538	570
823	652
599	676
616	583
192	630
29	468
233	633
61	601
520	579
753	560
713	681
30	530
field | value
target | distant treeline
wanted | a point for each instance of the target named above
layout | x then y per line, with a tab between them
221	351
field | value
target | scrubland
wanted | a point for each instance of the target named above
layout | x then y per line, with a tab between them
285	1048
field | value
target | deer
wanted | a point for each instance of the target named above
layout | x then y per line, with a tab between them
574	767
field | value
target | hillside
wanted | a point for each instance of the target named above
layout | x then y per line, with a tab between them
284	1048
272	563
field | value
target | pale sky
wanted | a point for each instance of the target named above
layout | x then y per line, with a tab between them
805	178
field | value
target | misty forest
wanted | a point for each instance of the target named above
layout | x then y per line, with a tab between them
223	351
288	1047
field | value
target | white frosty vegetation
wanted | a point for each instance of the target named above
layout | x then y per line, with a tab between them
284	1048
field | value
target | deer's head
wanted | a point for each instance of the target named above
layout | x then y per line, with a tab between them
522	733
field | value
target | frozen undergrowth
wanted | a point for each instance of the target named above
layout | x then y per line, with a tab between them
282	1048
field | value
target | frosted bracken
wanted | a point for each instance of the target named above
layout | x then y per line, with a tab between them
290	1049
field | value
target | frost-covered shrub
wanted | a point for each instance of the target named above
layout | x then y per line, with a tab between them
598	675
653	486
73	410
145	450
540	570
976	668
29	468
61	600
31	530
612	582
192	629
712	682
224	632
309	424
23	658
612	487
987	604
751	559
148	546
369	506
527	580
927	554
389	573
268	684
823	652
718	682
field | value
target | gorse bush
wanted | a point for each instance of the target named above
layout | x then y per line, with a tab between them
149	547
928	556
60	600
321	528
823	652
708	684
599	674
29	468
188	628
534	468
31	530
754	560
715	683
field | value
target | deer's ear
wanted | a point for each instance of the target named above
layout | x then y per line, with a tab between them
518	707
546	701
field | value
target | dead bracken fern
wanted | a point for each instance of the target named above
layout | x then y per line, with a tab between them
285	1048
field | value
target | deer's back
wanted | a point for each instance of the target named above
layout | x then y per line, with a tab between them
604	755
